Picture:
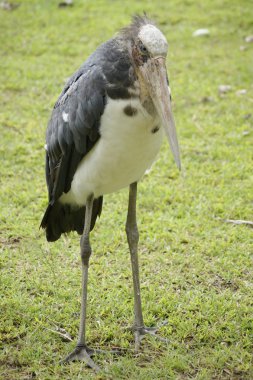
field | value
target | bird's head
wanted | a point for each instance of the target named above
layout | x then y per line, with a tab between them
148	49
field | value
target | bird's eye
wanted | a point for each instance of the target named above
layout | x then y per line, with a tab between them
143	48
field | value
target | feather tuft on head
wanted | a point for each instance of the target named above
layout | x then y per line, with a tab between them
131	31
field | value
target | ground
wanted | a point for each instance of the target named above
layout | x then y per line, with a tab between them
196	268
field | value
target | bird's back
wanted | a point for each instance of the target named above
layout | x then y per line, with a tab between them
74	129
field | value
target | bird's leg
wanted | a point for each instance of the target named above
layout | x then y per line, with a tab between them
133	238
140	330
82	352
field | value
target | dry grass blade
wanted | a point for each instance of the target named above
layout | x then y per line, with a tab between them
239	222
66	337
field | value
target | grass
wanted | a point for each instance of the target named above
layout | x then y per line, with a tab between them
196	270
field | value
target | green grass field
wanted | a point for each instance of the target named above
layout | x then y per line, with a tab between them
196	269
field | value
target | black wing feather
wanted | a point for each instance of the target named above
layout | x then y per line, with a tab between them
72	131
69	141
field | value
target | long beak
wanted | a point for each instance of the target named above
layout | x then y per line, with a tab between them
155	77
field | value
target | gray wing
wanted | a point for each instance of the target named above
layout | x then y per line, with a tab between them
73	128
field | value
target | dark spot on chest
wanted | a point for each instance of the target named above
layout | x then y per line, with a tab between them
155	129
130	111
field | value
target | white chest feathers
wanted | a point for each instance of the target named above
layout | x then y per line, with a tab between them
130	140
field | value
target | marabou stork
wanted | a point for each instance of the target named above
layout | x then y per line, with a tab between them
104	133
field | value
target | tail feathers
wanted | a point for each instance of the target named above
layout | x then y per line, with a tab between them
62	218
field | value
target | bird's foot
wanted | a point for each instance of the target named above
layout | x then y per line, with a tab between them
84	353
140	332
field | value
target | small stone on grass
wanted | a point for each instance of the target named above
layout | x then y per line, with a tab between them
201	32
